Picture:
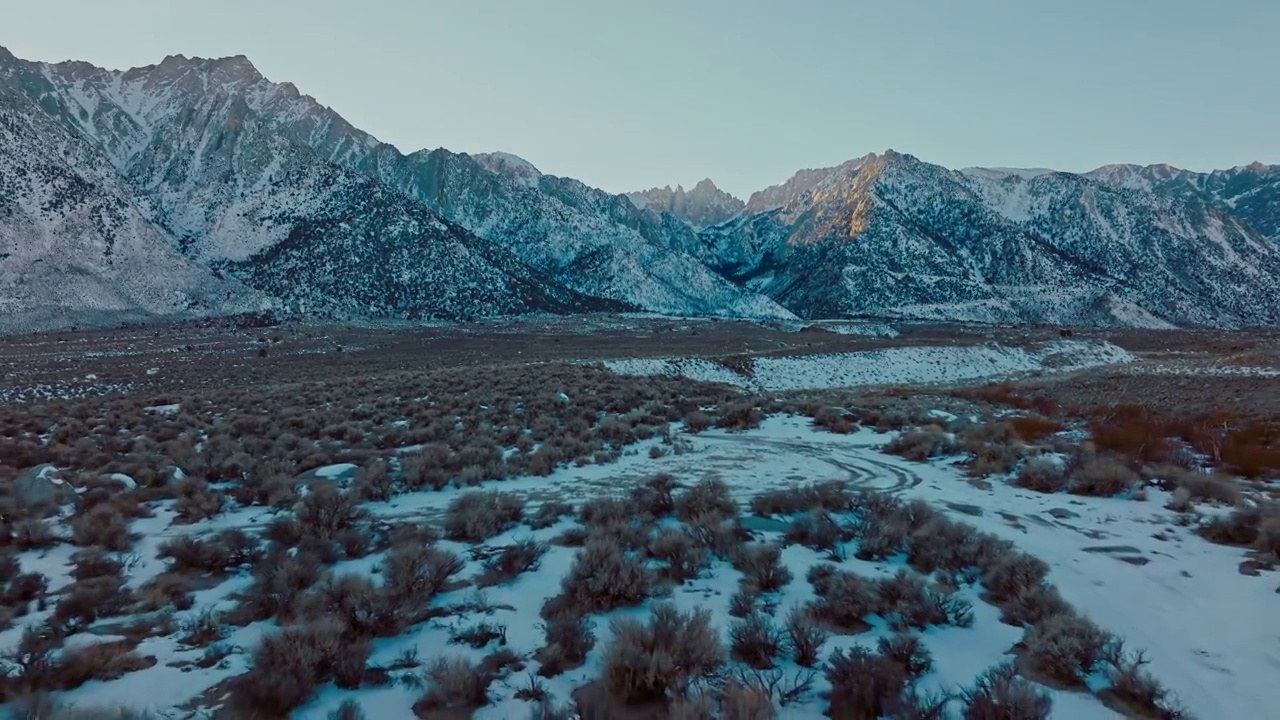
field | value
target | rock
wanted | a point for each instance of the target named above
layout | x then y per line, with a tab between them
41	485
120	479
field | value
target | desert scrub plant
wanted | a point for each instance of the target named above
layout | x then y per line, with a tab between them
478	635
1067	648
197	501
740	416
761	566
817	530
373	482
655	496
414	574
279	580
908	651
864	684
1033	605
999	692
756	641
101	661
805	637
548	514
647	660
1137	690
830	495
326	511
709	498
921	445
103	526
906	602
1102	476
570	637
1240	527
86	601
604	576
1042	473
510	561
684	558
844	598
1010	576
453	684
478	515
289	666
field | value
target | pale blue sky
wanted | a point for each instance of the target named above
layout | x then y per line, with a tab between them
625	94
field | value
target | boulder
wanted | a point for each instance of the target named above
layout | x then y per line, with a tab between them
41	485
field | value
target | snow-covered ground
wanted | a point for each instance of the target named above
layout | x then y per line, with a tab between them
889	366
1127	564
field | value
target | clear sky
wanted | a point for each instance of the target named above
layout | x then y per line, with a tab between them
626	94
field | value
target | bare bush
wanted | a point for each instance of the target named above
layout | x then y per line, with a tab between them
1001	693
830	495
756	641
844	598
1067	648
510	561
604	576
478	515
806	637
818	531
413	575
1012	575
548	514
646	661
1032	605
326	511
709	498
1042	474
684	557
1240	527
33	534
569	639
863	684
920	445
908	651
197	501
103	526
761	566
1138	690
1102	476
289	666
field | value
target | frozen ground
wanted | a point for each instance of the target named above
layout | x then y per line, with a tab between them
890	366
1127	564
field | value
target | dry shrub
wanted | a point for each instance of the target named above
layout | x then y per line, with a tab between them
646	661
1067	648
103	526
1000	693
478	515
1102	476
453	684
684	557
743	601
414	574
197	501
697	421
1206	488
655	496
907	603
604	576
805	637
548	514
864	684
100	661
227	550
1269	535
756	641
818	531
831	495
921	445
740	416
709	498
1042	474
844	598
1033	605
761	566
736	700
201	629
327	511
86	601
908	651
1012	575
373	482
279	579
510	561
1033	428
289	666
348	710
1137	690
1240	527
835	420
569	639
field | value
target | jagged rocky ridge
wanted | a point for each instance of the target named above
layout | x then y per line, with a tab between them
199	187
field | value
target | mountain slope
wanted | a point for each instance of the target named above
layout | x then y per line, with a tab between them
891	235
242	198
1249	192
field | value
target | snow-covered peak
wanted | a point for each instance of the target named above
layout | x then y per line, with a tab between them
1003	172
703	206
512	166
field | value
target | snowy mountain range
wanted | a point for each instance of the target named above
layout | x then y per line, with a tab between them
199	187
